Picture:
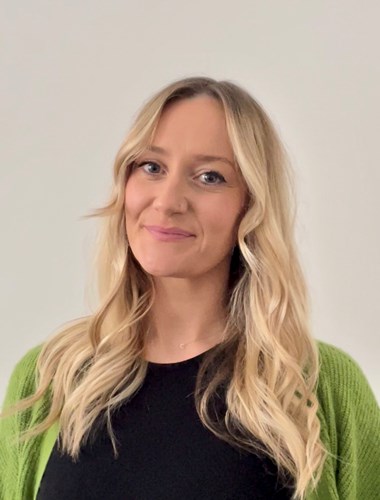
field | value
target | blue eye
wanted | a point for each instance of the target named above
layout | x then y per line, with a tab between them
213	177
145	165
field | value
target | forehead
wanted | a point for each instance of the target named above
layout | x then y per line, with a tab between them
194	125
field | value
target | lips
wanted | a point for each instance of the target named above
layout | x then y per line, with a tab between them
169	230
169	234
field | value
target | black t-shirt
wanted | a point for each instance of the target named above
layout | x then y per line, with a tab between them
165	452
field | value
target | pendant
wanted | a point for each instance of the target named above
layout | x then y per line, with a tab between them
182	346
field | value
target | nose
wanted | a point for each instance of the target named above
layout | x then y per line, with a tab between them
171	196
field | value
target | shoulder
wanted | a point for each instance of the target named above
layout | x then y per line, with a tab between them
342	388
340	373
332	357
23	377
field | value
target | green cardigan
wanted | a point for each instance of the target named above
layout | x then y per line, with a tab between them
348	412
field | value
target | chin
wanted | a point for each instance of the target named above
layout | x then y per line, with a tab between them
164	269
166	273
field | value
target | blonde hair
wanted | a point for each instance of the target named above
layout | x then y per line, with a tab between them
267	365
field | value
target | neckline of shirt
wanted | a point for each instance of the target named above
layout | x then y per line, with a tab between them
175	364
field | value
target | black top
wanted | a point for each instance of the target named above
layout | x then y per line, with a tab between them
165	453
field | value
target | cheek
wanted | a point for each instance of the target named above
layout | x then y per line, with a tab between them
223	220
133	200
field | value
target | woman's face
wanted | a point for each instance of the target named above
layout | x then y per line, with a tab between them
186	180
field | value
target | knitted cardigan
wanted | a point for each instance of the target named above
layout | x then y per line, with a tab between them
348	411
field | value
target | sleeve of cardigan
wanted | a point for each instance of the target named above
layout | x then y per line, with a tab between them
20	385
357	424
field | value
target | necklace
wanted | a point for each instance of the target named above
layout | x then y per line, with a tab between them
183	345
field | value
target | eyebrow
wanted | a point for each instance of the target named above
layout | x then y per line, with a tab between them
197	157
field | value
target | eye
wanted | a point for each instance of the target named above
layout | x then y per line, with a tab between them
150	167
212	177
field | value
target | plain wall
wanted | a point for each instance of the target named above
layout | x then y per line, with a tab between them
74	74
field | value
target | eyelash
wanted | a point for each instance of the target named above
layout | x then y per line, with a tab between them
220	176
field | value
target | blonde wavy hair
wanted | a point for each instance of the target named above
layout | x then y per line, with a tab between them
267	365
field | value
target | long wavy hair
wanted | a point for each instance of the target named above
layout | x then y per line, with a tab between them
266	367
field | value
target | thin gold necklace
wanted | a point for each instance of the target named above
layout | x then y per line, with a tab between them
183	345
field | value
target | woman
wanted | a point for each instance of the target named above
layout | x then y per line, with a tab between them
197	377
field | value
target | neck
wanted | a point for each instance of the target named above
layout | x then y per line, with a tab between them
187	312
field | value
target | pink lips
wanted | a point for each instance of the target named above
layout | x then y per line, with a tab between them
168	234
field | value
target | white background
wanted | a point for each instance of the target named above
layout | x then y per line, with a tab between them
74	75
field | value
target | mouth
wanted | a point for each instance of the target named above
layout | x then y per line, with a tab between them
168	234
